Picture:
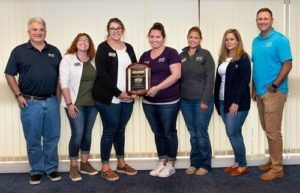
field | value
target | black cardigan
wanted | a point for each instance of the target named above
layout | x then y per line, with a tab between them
237	90
105	86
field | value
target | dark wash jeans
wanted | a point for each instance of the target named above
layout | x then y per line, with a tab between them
233	125
197	121
114	119
162	120
81	130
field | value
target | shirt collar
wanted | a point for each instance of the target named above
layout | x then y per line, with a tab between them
30	46
186	49
268	36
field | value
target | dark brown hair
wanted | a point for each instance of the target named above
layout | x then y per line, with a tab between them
158	26
265	10
195	29
73	48
114	20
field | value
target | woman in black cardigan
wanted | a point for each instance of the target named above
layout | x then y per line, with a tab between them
114	104
232	95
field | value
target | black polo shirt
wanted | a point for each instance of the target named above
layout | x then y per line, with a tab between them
38	71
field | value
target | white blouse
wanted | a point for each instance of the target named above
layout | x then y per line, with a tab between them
222	72
70	71
123	61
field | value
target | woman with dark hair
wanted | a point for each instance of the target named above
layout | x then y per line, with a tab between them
197	104
114	104
77	75
232	95
161	103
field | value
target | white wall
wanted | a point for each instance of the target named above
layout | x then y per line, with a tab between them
216	16
219	15
292	142
66	18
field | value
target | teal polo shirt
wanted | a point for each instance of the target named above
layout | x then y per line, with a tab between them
268	56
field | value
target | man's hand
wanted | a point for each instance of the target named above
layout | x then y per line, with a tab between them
253	93
271	89
22	102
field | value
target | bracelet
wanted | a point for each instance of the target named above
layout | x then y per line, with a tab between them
274	86
69	104
17	95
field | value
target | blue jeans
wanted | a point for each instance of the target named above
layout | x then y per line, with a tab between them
197	121
81	130
41	126
233	125
114	119
162	120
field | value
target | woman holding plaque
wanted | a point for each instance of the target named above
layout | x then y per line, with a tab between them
232	95
114	104
161	103
197	85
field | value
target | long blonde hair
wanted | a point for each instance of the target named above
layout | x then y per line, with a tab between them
239	50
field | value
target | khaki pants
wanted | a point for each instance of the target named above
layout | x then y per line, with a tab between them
270	108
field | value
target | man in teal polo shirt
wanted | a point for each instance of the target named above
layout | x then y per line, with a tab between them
272	62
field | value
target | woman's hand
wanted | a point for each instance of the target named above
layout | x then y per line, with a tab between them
134	96
203	106
124	96
152	91
72	110
233	109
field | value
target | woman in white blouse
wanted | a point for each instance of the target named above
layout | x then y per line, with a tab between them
77	75
232	95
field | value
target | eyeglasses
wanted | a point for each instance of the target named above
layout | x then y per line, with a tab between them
112	29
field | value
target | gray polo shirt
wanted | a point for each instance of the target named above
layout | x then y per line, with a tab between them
197	75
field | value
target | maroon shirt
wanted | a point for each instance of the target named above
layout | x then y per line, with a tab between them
160	70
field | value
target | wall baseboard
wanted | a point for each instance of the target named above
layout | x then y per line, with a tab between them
149	163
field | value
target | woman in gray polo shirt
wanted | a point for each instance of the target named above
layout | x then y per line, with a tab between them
197	83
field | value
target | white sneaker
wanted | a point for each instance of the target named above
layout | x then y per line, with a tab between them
167	171
158	169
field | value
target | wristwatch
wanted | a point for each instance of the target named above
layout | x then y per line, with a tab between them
274	86
17	95
69	104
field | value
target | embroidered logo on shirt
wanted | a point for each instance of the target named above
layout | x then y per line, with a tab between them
77	64
268	44
183	60
161	59
112	54
51	55
199	58
147	62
